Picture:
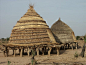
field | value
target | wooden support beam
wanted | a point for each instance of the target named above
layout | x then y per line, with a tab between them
64	47
68	46
21	52
6	52
76	45
72	46
58	51
42	51
49	51
37	50
14	52
28	52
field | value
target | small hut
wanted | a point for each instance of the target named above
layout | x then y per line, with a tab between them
63	33
31	31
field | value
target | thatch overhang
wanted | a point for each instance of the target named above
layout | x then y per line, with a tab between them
35	44
31	30
62	32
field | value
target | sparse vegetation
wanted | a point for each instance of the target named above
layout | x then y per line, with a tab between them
77	37
0	43
4	40
76	55
9	62
33	61
85	38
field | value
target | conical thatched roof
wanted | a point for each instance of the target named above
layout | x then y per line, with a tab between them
62	32
31	29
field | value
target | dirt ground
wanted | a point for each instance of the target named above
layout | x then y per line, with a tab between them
66	56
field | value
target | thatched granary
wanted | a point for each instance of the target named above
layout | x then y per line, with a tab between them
30	30
62	32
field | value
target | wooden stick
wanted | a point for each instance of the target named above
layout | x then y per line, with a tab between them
14	52
58	51
21	52
37	49
28	51
49	51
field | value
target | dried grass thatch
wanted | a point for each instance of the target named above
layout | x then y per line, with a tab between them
62	32
31	29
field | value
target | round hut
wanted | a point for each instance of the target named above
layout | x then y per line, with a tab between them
31	31
63	33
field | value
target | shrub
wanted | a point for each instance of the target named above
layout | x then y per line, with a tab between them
76	54
77	37
85	38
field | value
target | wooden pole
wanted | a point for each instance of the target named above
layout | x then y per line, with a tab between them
28	51
6	52
76	45
14	52
64	47
68	46
21	52
42	51
45	50
57	51
37	49
49	51
72	46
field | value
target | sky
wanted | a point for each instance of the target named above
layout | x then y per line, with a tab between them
71	12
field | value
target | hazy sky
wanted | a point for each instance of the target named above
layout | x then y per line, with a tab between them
72	12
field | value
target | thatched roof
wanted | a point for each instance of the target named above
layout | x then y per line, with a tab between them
31	29
62	32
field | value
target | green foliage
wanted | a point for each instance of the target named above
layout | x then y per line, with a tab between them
77	37
9	62
0	43
76	54
2	39
33	52
85	38
33	61
7	39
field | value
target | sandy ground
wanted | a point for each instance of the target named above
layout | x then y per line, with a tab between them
66	56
